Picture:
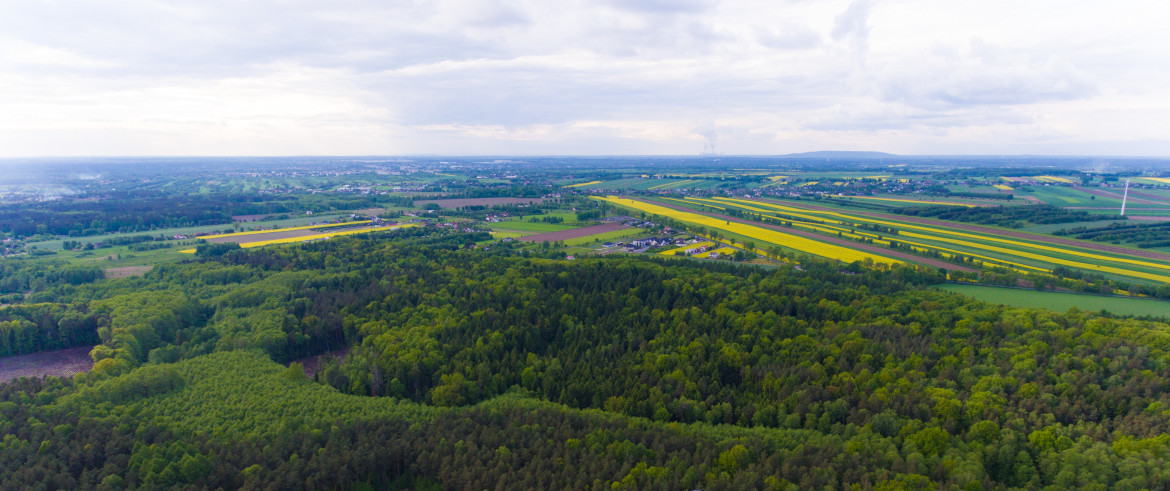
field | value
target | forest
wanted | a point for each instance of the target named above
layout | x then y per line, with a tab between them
475	364
145	211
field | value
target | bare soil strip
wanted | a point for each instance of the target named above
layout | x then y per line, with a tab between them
126	271
456	203
884	251
1050	239
59	363
1152	219
572	233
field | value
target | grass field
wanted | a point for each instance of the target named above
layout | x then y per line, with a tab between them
529	227
604	237
1061	302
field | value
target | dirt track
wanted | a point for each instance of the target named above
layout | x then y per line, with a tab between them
125	271
995	231
572	233
832	240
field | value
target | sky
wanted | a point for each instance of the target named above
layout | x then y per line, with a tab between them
600	77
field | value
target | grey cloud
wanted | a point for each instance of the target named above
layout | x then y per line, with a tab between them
665	6
883	118
789	36
853	25
985	75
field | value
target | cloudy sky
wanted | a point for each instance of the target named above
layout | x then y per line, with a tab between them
349	77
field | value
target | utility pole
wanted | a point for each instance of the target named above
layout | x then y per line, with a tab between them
1124	197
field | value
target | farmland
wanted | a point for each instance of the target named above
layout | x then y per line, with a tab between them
459	203
1009	252
574	233
278	237
790	241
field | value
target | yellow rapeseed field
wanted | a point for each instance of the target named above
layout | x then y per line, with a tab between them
1003	187
688	246
286	229
303	238
590	183
1026	245
798	243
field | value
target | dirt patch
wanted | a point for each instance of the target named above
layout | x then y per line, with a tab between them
240	239
1034	199
885	251
370	212
1095	246
59	363
573	233
1152	219
456	203
126	271
312	363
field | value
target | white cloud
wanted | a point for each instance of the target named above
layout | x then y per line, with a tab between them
524	76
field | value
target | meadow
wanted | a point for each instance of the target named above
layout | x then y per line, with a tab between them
1060	301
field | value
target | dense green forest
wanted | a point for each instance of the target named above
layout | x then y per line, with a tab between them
144	211
491	367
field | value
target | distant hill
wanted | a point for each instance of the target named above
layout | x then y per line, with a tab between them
832	154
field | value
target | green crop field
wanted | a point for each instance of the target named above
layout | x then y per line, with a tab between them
604	237
531	227
1061	302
